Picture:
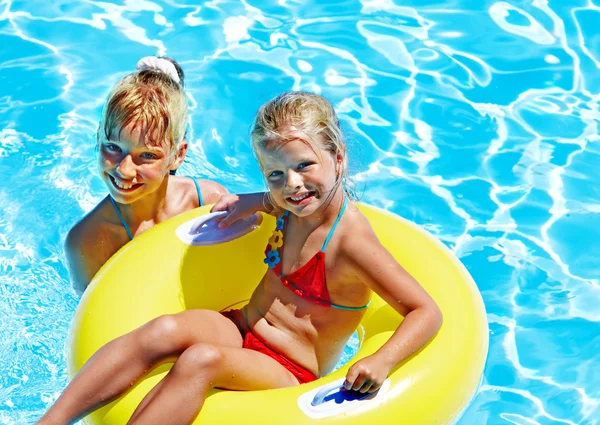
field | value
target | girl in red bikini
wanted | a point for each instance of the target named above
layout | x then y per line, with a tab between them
323	261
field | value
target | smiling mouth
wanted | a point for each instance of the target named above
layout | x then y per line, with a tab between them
303	198
124	187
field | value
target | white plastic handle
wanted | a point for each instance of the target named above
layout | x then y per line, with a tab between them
207	223
324	392
205	231
328	389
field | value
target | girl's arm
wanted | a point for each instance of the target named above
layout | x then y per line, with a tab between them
82	259
378	269
242	206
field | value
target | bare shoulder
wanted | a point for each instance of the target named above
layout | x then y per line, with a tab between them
359	247
88	225
357	233
211	191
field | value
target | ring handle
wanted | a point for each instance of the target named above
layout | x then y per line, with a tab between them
205	231
207	223
350	395
324	392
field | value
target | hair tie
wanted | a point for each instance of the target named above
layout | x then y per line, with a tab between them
159	64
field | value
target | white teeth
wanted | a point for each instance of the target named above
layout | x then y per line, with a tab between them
301	197
121	185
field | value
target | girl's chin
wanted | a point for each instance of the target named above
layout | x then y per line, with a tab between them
123	197
125	200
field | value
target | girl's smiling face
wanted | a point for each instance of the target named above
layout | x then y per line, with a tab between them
132	168
301	175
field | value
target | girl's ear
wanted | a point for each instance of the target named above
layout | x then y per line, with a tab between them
339	163
181	152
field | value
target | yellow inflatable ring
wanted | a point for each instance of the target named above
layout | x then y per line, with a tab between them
157	274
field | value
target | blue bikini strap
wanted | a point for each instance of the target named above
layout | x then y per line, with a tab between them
337	220
198	190
343	307
121	217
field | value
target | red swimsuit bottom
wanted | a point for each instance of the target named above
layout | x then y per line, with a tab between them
251	342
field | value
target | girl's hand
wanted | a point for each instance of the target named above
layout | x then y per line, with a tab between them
367	375
239	207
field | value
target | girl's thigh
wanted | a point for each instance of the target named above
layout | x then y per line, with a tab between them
233	368
171	334
210	326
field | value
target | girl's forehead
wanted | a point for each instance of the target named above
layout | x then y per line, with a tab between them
290	150
138	135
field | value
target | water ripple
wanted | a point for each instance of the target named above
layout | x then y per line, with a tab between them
476	119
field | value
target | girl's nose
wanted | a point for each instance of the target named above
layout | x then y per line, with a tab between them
126	167
293	180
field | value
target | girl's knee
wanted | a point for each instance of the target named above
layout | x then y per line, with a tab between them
200	358
163	335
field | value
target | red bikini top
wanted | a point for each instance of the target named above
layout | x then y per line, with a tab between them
308	281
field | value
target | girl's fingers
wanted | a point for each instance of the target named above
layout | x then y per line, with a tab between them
226	221
219	206
225	202
374	387
365	388
359	382
350	378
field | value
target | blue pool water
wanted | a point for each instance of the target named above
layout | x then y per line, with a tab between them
478	120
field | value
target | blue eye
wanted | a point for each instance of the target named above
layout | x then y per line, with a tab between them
148	155
304	165
112	147
274	174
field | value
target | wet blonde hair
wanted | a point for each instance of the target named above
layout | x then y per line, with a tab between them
153	102
309	114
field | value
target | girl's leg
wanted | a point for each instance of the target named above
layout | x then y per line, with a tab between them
178	398
118	365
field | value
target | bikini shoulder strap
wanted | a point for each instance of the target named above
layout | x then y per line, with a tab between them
121	217
337	220
198	190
